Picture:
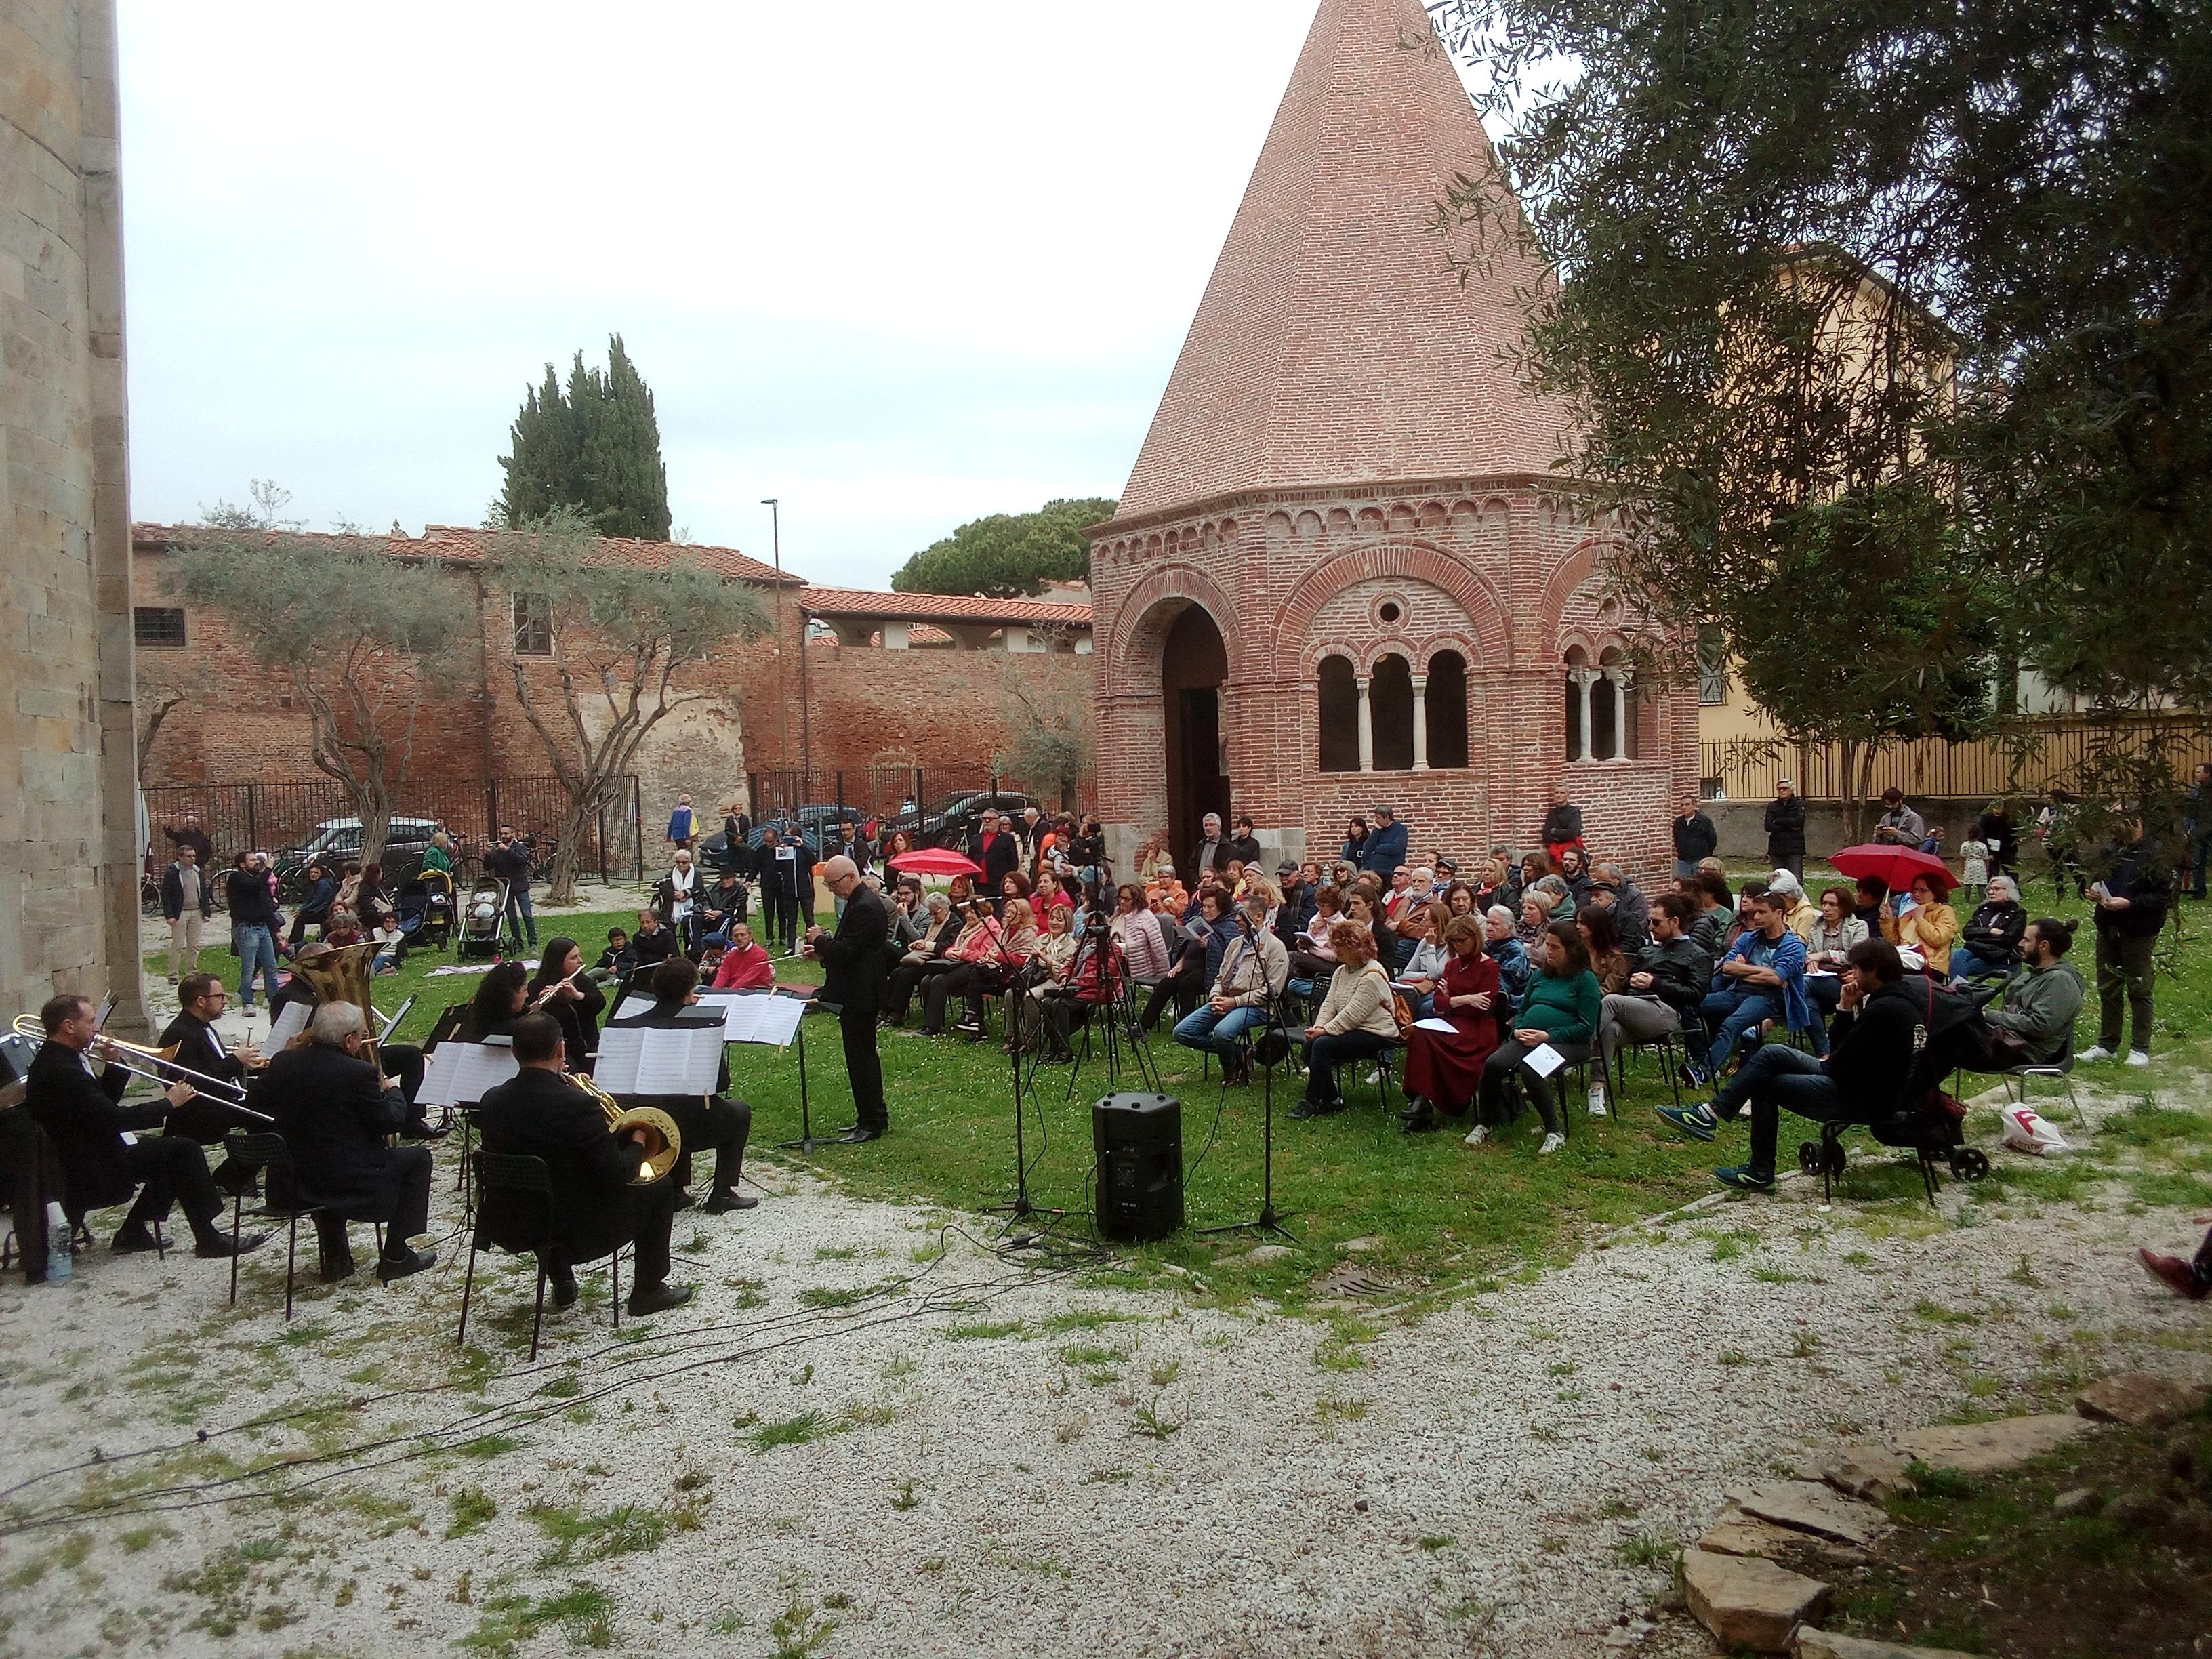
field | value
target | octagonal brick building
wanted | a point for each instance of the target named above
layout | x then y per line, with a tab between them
1346	569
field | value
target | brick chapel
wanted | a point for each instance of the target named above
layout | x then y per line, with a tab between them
1346	569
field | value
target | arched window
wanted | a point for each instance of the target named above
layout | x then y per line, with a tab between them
1577	690
1446	709
1390	693
1339	716
1616	694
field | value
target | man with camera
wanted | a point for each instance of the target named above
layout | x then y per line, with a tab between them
509	861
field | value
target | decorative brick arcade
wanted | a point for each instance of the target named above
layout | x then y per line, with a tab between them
1345	569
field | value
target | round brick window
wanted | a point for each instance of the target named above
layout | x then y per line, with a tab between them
1390	611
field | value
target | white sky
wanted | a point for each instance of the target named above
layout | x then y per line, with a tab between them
898	274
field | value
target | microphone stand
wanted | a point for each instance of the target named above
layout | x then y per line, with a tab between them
1270	1219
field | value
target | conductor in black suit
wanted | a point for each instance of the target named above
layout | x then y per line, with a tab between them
595	1209
855	964
714	1122
334	1109
84	1116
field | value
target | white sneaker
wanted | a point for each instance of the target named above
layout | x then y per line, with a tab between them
1551	1144
1597	1103
1374	1076
1477	1135
2138	1057
2099	1052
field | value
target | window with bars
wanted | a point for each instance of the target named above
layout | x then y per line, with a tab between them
159	626
533	625
1712	667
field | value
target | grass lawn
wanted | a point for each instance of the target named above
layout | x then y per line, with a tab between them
1438	1213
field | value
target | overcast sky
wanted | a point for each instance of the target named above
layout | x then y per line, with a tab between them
899	273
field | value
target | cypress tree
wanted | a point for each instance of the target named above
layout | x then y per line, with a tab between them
595	448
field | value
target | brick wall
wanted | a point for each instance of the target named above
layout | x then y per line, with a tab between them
69	913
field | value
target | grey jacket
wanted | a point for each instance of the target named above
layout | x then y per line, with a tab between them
1254	970
2040	1006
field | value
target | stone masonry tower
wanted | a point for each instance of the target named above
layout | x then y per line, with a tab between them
1346	570
68	838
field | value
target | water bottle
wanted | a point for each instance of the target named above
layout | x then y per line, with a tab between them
59	1265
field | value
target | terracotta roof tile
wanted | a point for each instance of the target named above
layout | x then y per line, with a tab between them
860	602
469	545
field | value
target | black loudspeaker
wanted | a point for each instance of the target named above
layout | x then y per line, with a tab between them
1138	1142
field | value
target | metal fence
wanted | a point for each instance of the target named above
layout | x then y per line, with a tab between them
282	818
885	792
2031	758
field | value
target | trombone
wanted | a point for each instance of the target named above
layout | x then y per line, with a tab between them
119	1053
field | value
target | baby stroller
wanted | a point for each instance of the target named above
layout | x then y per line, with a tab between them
410	909
1927	1121
437	908
480	919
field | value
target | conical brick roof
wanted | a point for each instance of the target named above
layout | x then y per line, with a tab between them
1335	343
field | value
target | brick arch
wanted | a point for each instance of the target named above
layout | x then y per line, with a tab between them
1141	622
1414	561
1577	567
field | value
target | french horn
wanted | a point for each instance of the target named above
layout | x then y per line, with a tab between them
665	1142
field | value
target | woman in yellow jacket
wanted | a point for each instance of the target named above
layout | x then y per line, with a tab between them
1929	927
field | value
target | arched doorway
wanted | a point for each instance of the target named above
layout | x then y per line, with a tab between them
1194	665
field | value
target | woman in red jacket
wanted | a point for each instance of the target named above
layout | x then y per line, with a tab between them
1443	1068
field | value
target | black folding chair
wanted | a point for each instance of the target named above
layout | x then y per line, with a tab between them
268	1155
2060	1066
1665	1043
523	1178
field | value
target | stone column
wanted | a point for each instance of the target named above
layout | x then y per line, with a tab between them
1420	722
1584	679
1616	680
1366	723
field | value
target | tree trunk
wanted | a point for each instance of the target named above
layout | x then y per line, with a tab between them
585	806
371	800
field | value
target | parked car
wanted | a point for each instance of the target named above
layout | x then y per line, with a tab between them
339	840
953	819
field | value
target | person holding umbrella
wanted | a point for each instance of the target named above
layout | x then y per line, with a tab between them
1929	927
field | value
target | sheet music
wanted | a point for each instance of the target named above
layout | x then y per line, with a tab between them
650	1059
761	1018
633	1006
462	1073
289	1024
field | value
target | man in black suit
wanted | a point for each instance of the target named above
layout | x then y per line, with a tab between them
83	1117
715	1123
334	1109
854	968
192	1042
595	1209
401	1062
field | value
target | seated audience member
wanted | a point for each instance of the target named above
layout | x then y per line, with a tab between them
1762	978
1535	866
1198	962
746	965
1313	958
1564	901
1664	992
1835	929
2035	1021
596	1209
1443	1069
954	920
559	988
1560	1009
1502	945
1045	972
1798	910
334	1110
1537	904
1254	970
709	960
616	960
1050	895
1144	955
1490	886
1872	892
1297	906
1458	899
653	943
1929	927
1575	873
1741	922
983	958
1991	941
502	997
724	905
1715	910
1356	1021
715	1123
1431	955
1607	960
1362	905
82	1115
1860	1080
341	930
1632	912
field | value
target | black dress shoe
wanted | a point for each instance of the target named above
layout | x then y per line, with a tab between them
658	1299
218	1248
131	1240
422	1131
565	1288
859	1135
337	1268
400	1264
726	1199
1419	1118
683	1199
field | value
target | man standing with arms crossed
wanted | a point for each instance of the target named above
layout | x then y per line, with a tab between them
856	965
188	900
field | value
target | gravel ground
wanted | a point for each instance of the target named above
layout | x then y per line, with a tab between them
980	1456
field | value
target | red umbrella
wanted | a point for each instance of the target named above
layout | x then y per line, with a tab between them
1893	866
936	861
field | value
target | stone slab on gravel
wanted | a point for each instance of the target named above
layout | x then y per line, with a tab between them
2140	1399
1735	1533
1808	1506
1864	1469
1746	1600
1985	1448
1825	1645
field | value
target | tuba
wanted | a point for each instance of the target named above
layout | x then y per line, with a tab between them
665	1139
341	974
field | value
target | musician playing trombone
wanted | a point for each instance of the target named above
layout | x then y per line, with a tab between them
192	1042
83	1115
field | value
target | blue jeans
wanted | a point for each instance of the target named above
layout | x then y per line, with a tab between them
1965	964
1732	1012
1203	1028
519	914
2201	851
255	946
1776	1080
